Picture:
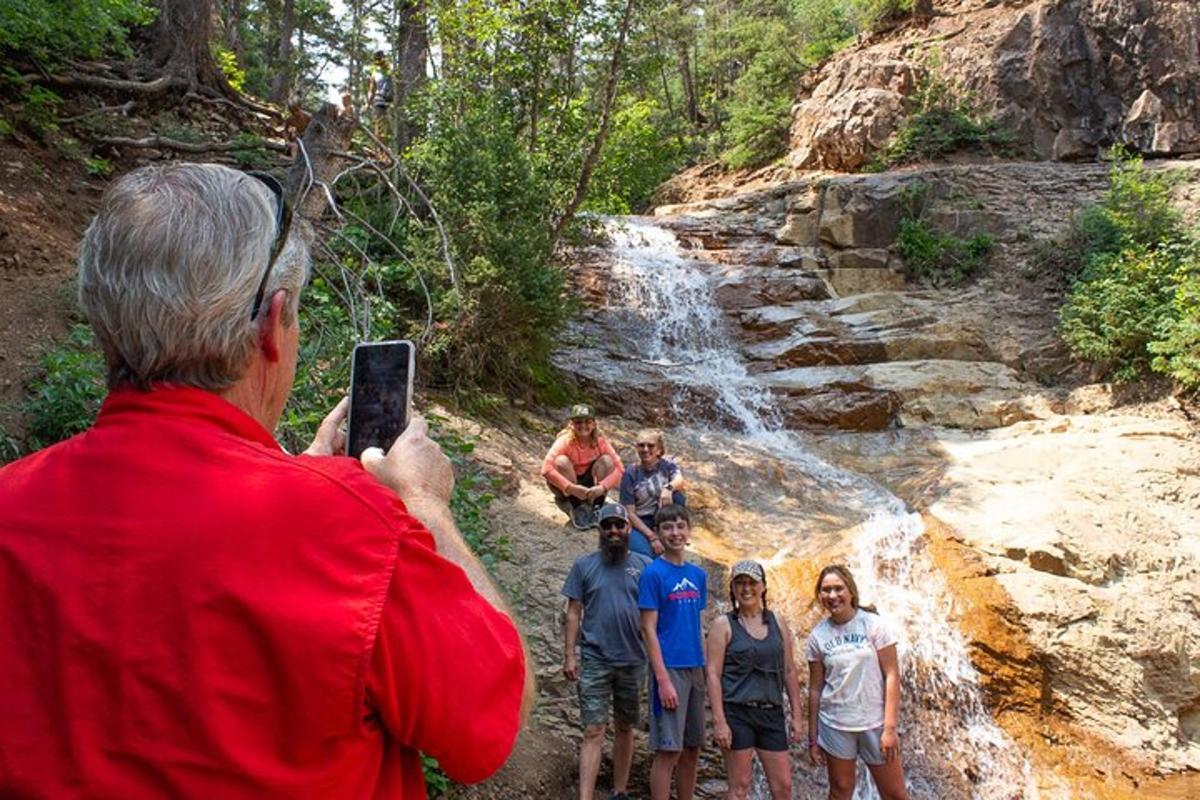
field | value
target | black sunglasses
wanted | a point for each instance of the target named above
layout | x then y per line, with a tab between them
283	222
611	524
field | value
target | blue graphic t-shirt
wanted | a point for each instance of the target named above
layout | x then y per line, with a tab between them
642	488
677	593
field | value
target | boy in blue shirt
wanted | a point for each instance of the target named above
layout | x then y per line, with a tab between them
671	595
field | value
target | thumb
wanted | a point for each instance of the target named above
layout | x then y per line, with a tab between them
372	460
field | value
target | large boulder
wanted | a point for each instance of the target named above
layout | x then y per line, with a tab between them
1067	77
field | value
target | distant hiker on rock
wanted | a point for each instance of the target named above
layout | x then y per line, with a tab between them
648	485
750	663
602	601
853	691
581	468
671	595
380	93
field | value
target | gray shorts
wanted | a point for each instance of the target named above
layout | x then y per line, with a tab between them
602	685
682	726
849	745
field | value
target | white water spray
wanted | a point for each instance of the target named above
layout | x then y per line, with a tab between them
947	730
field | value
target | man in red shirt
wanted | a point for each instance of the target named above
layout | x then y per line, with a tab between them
188	611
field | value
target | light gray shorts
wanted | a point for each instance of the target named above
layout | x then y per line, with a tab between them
682	726
850	745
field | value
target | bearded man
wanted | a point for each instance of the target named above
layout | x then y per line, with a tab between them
602	594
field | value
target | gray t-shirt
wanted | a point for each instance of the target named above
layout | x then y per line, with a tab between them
852	697
611	621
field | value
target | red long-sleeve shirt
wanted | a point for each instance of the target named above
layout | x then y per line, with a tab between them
188	611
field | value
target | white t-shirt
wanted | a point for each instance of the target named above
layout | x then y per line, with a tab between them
852	698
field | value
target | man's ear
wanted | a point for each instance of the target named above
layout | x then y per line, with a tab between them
270	330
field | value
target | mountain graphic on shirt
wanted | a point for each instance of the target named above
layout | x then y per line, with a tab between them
684	590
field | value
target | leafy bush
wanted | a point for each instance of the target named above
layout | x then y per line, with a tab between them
640	154
932	257
495	321
54	31
65	394
1134	304
944	121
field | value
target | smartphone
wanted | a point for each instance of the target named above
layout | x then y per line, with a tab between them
381	385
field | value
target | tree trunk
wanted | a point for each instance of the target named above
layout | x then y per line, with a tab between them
691	105
281	86
610	94
233	30
328	134
178	48
412	49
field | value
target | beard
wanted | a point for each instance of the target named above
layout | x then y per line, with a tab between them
612	551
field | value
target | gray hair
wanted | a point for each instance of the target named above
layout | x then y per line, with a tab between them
169	268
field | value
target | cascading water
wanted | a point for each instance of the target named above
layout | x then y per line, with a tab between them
952	746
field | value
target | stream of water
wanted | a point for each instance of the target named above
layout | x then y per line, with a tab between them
951	745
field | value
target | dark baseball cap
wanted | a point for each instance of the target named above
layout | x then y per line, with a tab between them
613	511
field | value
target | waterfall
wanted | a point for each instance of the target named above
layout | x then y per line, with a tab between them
951	745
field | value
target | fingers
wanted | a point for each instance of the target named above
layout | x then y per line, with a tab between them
330	439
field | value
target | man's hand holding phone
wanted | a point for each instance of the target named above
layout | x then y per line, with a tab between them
415	467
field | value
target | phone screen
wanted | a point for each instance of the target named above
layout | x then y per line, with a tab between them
381	376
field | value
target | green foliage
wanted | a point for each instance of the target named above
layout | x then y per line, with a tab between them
97	166
436	782
37	110
65	394
932	257
492	200
228	64
944	121
250	153
639	156
1134	304
52	32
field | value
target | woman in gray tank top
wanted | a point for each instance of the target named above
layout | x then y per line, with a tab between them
749	664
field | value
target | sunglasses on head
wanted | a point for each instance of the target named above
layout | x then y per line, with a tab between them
283	222
613	524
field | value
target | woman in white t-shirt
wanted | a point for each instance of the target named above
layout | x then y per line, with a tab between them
853	691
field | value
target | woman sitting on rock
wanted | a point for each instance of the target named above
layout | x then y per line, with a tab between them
750	661
581	468
853	691
653	482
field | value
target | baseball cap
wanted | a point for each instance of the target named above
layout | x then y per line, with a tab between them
612	511
750	568
581	411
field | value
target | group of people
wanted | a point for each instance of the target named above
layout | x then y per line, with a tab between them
635	606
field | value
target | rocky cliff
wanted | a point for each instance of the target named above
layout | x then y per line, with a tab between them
1065	77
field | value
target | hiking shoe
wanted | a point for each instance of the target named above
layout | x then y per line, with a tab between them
619	796
583	516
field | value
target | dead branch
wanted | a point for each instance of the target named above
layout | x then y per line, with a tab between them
191	147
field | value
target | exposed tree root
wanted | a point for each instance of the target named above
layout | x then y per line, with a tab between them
191	147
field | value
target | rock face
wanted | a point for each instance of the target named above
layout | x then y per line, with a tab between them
818	304
1090	523
1067	77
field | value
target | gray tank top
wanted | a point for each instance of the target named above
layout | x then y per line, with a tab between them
753	670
